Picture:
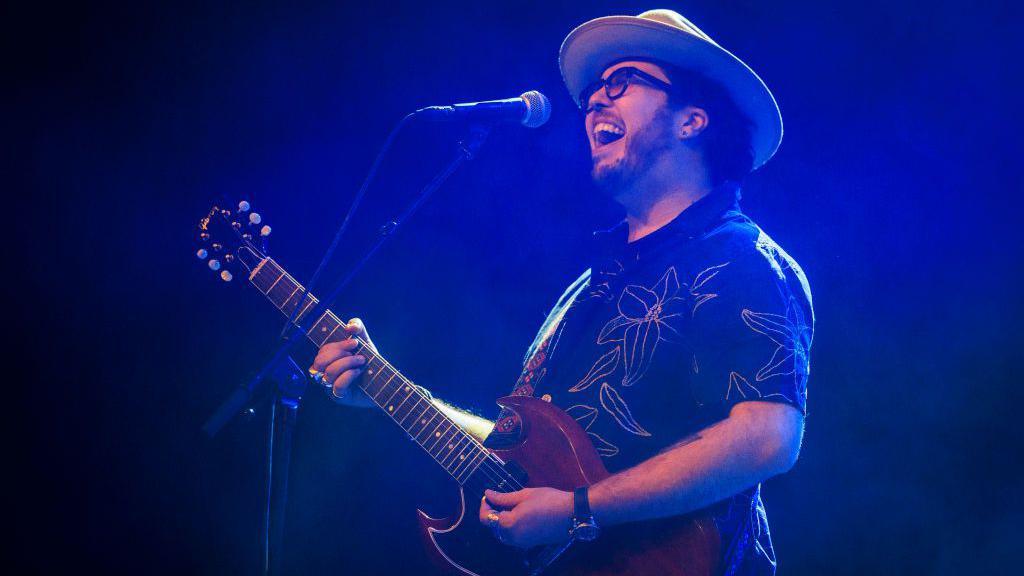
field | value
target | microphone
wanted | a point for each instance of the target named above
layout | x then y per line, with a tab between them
532	109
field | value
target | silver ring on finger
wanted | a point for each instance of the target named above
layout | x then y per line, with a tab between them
319	377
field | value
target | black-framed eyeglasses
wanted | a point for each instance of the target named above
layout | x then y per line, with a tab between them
616	83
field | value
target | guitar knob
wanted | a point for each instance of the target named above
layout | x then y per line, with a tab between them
214	264
226	276
255	218
201	254
265	231
243	206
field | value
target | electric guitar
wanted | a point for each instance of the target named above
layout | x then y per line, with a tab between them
552	450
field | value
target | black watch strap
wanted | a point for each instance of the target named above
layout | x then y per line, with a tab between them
584	528
581	504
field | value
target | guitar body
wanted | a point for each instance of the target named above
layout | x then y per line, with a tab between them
556	452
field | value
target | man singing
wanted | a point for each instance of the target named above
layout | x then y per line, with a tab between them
682	350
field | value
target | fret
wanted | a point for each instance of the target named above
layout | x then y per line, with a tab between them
448	444
320	332
275	282
262	278
331	333
435	414
436	434
295	291
411	393
309	304
416	397
288	306
258	268
466	453
453	452
392	396
468	471
447	439
419	420
391	406
439	437
375	394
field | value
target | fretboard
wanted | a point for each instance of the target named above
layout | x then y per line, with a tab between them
405	403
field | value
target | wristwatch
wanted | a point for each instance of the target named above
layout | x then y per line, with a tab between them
584	528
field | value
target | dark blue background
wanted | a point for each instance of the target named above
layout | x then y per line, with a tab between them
896	188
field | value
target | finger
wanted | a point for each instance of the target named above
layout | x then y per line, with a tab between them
485	509
355	327
505	521
331	352
341	365
345	380
504	499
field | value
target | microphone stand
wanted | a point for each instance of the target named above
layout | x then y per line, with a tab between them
291	380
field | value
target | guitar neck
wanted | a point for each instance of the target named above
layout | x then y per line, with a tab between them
449	445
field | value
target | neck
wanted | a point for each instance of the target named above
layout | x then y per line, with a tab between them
659	200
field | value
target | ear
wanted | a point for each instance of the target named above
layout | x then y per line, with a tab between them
690	122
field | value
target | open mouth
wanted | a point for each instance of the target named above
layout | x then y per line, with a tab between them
606	133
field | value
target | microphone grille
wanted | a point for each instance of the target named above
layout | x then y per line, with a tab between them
538	109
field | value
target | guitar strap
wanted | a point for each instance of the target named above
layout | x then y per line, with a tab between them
507	425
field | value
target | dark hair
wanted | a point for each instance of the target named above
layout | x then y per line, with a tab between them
727	142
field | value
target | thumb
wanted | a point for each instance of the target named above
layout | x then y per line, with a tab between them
505	499
355	327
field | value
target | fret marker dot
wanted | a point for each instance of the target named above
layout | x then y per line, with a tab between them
391	408
437	434
324	329
462	457
451	446
424	421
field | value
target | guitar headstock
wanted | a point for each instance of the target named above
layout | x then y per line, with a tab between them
232	237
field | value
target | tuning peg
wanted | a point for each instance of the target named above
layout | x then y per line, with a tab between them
255	218
226	276
214	264
201	254
243	206
265	231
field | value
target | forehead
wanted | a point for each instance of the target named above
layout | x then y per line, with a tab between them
642	65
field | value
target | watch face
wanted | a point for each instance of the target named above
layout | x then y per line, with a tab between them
585	532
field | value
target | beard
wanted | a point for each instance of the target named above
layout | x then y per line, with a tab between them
644	146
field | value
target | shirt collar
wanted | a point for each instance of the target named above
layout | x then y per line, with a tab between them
691	223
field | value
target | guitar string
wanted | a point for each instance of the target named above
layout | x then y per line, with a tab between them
491	469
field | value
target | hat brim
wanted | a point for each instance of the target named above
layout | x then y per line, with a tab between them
595	45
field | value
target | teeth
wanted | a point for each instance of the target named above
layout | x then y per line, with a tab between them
606	127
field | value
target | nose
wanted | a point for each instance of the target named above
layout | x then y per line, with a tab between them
598	100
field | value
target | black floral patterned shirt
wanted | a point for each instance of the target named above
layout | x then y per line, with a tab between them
660	337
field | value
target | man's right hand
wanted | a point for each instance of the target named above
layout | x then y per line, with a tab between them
342	368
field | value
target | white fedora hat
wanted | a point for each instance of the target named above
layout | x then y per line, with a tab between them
669	37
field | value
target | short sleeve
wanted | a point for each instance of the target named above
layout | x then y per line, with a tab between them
752	333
